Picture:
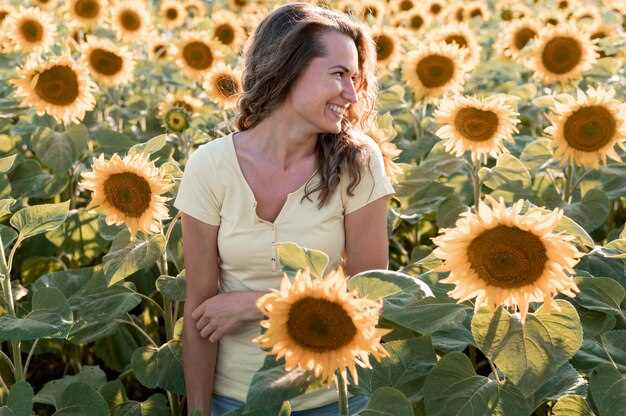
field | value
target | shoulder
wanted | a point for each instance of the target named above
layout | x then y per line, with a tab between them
211	153
371	148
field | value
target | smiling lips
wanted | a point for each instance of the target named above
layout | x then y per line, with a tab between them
336	109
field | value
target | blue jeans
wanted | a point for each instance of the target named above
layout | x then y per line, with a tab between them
222	404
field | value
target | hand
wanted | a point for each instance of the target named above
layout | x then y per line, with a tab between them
226	312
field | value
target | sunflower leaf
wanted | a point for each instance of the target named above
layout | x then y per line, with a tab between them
608	390
387	401
40	218
572	405
126	257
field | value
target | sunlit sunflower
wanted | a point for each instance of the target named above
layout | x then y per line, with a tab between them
88	12
130	20
128	191
551	18
586	129
479	125
403	6
239	6
566	6
180	98
172	13
602	31
60	87
195	9
477	10
587	16
435	7
29	29
562	54
5	11
455	12
223	85
160	48
511	10
196	55
226	31
371	11
515	37
47	5
387	47
109	64
177	119
461	35
433	70
502	257
319	325
383	136
417	21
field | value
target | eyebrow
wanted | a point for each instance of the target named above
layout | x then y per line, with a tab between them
343	68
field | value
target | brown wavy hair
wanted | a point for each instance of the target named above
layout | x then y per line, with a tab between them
280	49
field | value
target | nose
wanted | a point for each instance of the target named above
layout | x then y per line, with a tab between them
349	92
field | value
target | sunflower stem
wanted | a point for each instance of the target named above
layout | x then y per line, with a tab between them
476	183
569	173
495	371
342	393
5	279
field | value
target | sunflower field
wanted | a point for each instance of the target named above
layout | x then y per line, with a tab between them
502	124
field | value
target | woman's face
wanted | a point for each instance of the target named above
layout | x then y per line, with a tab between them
325	89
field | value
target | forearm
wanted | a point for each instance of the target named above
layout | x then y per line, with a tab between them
199	360
253	313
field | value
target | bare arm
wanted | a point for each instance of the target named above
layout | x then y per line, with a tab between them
202	274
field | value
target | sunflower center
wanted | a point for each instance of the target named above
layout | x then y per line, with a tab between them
198	55
130	20
522	37
384	47
183	104
225	34
563	4
476	13
171	13
87	9
3	14
227	86
406	5
458	39
552	21
589	128
32	30
160	51
598	35
507	257
460	14
561	54
320	325
105	62
435	70
417	21
506	14
475	124
57	85
435	8
370	11
128	192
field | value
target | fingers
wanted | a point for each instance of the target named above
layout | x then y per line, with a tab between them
202	322
198	311
207	330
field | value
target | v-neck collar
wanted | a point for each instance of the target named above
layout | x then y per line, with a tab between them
251	193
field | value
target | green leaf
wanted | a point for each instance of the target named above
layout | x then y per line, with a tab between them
151	146
5	206
449	210
378	284
114	393
530	353
126	257
29	180
569	226
615	249
406	368
8	235
54	149
116	349
591	212
600	294
425	315
593	353
387	401
508	169
81	399
572	405
608	390
53	391
38	219
155	405
453	388
172	287
566	381
160	367
6	163
294	257
20	399
110	142
50	317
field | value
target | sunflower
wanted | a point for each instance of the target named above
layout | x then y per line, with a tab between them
226	32
435	7
433	70
29	29
511	10
371	11
173	13
502	257
159	48
130	20
476	124
588	16
601	31
182	99
195	9
585	129
128	191
5	11
177	119
515	37
78	36
416	21
566	6
108	63
477	10
60	87
383	137
461	35
387	47
88	12
455	12
551	18
223	85
319	325
403	6
47	5
196	55
561	54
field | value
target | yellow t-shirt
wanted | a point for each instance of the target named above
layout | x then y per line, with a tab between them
214	190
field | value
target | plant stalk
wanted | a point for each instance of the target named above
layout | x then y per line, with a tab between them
342	392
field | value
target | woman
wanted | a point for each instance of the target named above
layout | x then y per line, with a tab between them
308	90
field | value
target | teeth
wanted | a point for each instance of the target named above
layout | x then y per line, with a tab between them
336	109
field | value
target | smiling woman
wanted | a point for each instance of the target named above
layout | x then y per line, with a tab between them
307	95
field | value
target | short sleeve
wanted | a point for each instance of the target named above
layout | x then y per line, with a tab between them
197	192
373	185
